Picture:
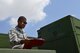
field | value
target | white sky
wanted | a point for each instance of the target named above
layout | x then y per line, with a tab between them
33	10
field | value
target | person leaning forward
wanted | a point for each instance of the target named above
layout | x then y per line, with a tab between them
19	39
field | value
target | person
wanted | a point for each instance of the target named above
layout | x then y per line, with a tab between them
18	38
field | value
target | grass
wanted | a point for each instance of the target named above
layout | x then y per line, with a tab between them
4	41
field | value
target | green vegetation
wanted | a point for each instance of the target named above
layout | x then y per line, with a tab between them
4	41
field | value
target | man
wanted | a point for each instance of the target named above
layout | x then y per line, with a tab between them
18	38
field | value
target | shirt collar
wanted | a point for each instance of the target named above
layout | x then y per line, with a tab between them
19	29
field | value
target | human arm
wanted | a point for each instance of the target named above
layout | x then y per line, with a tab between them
13	37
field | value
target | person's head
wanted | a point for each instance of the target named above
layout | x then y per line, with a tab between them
22	22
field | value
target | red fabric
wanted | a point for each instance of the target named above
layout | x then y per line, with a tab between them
32	43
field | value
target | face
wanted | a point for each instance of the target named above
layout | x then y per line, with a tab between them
22	23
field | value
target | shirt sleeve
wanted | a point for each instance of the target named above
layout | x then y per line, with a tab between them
13	36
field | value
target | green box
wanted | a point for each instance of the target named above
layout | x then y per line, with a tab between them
62	35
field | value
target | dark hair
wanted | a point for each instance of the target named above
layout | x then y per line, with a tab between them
21	17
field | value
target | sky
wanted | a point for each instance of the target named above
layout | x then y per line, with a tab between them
38	13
